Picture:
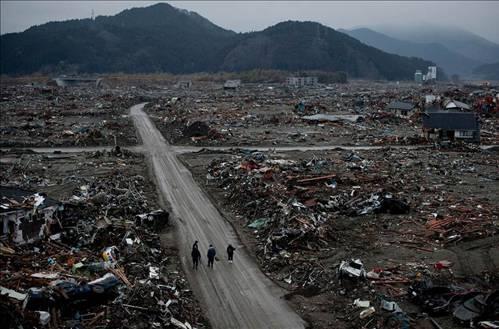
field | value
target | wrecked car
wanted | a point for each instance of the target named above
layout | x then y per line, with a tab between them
155	220
480	306
352	269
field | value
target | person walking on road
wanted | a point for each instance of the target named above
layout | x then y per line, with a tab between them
211	255
196	256
230	253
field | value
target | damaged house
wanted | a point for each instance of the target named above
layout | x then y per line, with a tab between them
401	109
451	126
25	216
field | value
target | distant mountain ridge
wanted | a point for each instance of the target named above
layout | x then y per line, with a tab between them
295	45
455	39
162	38
452	62
487	71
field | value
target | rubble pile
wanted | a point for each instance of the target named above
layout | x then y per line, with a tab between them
292	206
51	116
100	262
250	116
273	114
345	225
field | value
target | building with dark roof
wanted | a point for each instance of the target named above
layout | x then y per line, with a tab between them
401	109
451	126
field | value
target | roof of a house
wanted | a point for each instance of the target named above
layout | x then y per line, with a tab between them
12	198
451	120
457	105
397	105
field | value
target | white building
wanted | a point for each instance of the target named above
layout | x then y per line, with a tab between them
232	84
301	81
432	73
418	76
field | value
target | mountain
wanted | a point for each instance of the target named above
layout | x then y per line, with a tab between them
161	38
487	71
151	39
456	39
450	61
295	45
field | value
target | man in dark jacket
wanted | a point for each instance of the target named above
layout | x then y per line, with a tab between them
196	256
211	255
230	253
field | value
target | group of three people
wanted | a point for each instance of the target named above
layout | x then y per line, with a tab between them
196	255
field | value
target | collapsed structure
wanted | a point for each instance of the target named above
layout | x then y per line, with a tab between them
95	258
26	216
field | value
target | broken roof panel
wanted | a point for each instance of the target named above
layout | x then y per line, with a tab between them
397	105
333	117
457	105
14	198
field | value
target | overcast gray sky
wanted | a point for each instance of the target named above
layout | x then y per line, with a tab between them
480	17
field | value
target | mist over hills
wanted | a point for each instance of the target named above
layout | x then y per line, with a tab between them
311	46
161	38
451	61
456	39
487	71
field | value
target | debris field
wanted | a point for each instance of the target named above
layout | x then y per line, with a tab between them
340	114
102	259
385	229
48	116
405	216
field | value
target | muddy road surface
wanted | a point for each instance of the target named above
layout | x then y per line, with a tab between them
235	295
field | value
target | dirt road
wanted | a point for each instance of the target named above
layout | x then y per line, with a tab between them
235	295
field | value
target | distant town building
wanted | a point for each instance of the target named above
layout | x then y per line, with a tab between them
184	84
431	75
301	81
418	76
432	72
232	84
